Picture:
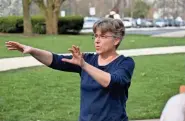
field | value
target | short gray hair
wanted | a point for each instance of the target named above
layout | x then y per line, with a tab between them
114	26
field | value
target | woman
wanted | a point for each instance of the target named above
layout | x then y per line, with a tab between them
105	76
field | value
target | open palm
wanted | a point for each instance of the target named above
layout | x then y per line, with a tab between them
11	45
77	58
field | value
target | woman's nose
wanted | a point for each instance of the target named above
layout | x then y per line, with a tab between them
97	40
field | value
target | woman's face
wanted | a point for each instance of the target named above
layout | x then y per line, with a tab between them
105	43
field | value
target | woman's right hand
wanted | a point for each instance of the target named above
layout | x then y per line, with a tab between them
11	45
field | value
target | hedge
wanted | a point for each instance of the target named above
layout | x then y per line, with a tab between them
66	25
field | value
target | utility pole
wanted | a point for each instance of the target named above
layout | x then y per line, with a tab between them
71	7
131	8
164	9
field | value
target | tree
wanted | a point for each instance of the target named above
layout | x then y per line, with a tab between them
181	6
131	7
51	10
73	7
26	17
117	6
141	9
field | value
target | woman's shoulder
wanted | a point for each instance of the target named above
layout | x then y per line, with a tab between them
125	61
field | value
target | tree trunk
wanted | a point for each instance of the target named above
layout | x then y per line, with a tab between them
49	21
55	22
51	17
51	9
27	18
76	7
56	11
131	8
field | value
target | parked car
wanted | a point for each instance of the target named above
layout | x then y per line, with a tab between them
160	23
178	21
89	22
127	22
171	22
146	23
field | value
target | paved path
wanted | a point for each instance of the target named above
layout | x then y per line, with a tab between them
154	31
171	34
147	120
28	61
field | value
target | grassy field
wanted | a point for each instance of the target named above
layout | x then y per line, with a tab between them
61	43
40	93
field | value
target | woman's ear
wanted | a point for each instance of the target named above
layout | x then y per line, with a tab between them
117	41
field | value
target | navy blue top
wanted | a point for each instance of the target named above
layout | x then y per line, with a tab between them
97	102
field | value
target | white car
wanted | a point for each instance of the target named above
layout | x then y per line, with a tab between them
127	23
89	22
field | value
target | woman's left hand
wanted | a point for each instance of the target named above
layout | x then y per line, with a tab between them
77	58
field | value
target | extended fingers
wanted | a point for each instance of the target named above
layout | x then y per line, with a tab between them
74	48
71	50
12	48
12	44
77	49
7	45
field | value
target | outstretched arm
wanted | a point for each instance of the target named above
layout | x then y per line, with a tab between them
43	56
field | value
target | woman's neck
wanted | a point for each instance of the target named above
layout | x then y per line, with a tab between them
105	59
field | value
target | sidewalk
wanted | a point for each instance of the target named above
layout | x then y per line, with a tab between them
21	62
147	120
171	34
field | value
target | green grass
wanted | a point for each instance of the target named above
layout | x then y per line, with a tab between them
61	43
155	80
40	93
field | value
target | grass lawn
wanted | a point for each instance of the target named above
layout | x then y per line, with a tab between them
40	93
61	43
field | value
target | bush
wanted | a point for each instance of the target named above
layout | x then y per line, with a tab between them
66	25
38	24
70	24
11	24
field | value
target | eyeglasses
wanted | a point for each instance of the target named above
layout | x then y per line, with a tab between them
95	36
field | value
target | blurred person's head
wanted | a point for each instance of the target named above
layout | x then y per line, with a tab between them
182	89
108	34
113	15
